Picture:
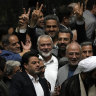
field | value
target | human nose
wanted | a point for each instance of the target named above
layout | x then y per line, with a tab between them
46	46
51	28
38	63
87	54
74	55
62	41
42	18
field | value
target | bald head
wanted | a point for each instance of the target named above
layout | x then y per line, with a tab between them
73	53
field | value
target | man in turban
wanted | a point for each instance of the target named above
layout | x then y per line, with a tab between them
84	83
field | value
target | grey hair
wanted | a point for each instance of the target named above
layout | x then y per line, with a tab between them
44	36
10	64
86	43
51	17
71	44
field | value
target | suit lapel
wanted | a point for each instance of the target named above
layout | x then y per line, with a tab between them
29	82
65	72
43	86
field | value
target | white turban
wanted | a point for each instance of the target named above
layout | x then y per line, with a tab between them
87	64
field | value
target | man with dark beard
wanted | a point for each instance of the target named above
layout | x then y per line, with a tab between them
83	84
45	45
64	38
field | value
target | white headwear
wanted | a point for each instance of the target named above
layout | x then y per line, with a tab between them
87	64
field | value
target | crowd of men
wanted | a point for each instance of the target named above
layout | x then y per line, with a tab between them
53	55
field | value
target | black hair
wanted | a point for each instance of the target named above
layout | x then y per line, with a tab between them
53	17
64	30
27	55
86	43
64	11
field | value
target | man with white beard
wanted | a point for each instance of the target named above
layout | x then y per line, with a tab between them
45	45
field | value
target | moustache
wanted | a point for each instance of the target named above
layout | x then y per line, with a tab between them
62	44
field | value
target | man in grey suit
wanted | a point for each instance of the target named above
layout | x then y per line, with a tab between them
90	19
73	53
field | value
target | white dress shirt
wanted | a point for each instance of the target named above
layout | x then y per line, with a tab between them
51	71
37	85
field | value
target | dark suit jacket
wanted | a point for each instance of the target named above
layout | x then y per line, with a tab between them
71	87
3	89
23	86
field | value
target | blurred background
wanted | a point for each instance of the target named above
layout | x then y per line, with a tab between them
11	9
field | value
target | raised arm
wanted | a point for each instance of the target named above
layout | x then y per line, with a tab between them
35	15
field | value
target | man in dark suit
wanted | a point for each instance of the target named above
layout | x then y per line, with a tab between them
27	82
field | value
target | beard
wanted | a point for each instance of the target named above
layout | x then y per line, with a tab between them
44	54
62	48
33	72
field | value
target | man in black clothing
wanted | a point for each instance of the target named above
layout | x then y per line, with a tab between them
27	82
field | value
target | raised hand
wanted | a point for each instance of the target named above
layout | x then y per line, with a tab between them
80	9
27	45
79	12
24	19
35	14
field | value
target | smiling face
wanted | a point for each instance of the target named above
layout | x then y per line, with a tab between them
45	46
73	53
14	45
63	40
51	28
40	21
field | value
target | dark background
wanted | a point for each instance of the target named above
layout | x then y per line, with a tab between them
11	9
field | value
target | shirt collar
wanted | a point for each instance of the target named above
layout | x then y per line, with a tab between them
33	79
50	61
